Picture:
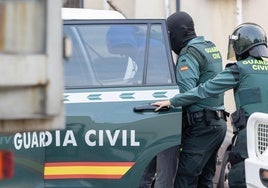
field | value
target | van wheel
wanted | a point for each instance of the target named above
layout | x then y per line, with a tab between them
226	166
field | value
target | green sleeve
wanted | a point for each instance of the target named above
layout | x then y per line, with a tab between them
224	81
187	72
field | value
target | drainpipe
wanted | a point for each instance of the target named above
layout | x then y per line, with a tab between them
81	4
178	5
239	11
167	7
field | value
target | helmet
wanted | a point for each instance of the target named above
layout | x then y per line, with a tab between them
248	37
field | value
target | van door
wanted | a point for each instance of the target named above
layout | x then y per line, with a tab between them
116	68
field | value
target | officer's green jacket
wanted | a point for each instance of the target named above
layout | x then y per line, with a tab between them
248	78
198	62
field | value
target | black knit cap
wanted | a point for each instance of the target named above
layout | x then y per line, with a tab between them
181	28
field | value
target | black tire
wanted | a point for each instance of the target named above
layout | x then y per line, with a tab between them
226	166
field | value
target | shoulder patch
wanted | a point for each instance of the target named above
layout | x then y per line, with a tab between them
184	68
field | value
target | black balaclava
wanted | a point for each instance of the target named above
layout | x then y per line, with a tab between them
181	29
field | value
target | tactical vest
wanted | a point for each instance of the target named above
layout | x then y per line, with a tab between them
251	95
210	64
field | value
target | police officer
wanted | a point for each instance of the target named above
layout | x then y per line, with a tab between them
248	78
205	126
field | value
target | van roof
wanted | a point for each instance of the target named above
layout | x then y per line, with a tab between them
82	13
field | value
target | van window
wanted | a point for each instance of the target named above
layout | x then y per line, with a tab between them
158	68
116	54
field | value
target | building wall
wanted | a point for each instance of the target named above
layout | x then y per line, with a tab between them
214	19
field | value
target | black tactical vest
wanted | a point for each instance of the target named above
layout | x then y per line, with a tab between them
251	95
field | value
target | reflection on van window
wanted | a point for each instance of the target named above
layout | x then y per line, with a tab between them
110	55
158	68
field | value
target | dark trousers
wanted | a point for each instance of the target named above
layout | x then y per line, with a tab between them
148	176
197	160
238	154
161	171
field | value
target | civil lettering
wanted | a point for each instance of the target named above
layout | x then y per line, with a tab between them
133	142
260	67
96	138
87	138
112	138
216	55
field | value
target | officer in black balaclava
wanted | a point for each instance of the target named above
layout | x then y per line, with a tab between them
181	30
198	60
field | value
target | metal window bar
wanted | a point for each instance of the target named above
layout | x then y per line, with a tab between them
257	135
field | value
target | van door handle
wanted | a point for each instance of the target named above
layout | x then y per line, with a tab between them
148	107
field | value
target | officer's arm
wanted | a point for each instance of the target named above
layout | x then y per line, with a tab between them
187	72
224	81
